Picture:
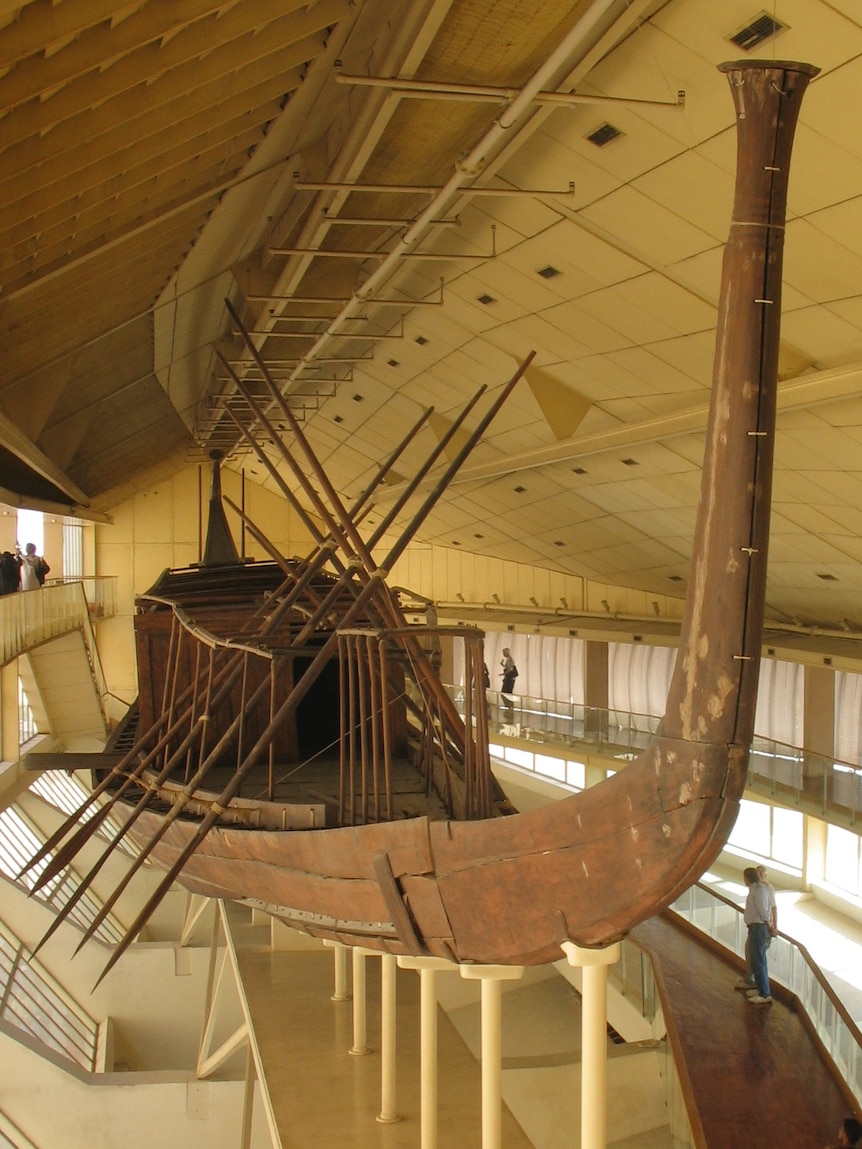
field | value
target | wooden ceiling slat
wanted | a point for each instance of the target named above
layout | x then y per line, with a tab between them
43	23
112	153
110	196
57	246
95	134
94	46
96	295
153	74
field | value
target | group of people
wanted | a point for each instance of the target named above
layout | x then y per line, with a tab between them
22	571
761	918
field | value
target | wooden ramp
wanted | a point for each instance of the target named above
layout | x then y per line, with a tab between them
756	1076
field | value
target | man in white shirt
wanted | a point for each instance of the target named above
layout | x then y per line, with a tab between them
757	916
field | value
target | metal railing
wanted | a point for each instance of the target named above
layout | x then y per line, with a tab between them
814	783
100	592
634	978
32	1001
29	618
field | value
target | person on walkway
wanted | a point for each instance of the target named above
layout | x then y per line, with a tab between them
509	673
746	983
33	568
763	878
849	1134
10	573
756	916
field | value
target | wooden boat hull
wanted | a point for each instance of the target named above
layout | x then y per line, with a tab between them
498	891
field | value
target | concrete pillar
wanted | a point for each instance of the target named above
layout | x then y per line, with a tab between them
339	954
360	1023
9	730
818	728
387	1114
428	968
491	978
596	690
594	1039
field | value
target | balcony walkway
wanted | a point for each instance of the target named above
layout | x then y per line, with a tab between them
755	1074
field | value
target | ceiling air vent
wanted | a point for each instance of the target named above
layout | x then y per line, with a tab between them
603	135
760	28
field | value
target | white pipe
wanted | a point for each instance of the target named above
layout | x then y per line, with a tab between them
466	170
427	967
594	1039
339	953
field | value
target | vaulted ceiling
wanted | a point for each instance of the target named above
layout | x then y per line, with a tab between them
401	199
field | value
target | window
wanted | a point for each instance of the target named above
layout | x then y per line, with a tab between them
842	860
770	832
73	551
27	728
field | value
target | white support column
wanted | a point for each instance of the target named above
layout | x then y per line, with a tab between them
491	977
594	1039
428	968
339	954
360	1031
387	1114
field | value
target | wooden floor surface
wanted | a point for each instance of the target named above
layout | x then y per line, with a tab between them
757	1077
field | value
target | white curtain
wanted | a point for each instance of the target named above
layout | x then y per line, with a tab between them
848	709
639	677
781	702
548	667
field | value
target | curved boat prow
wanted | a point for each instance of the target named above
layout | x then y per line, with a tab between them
637	840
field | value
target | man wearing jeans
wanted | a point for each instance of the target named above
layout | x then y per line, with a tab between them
757	917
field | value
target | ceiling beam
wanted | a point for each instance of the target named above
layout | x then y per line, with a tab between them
17	442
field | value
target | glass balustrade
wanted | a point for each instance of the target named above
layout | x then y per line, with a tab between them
794	777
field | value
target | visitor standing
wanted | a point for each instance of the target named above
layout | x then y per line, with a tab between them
33	568
757	915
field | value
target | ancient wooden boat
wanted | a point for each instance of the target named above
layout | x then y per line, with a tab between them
401	841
